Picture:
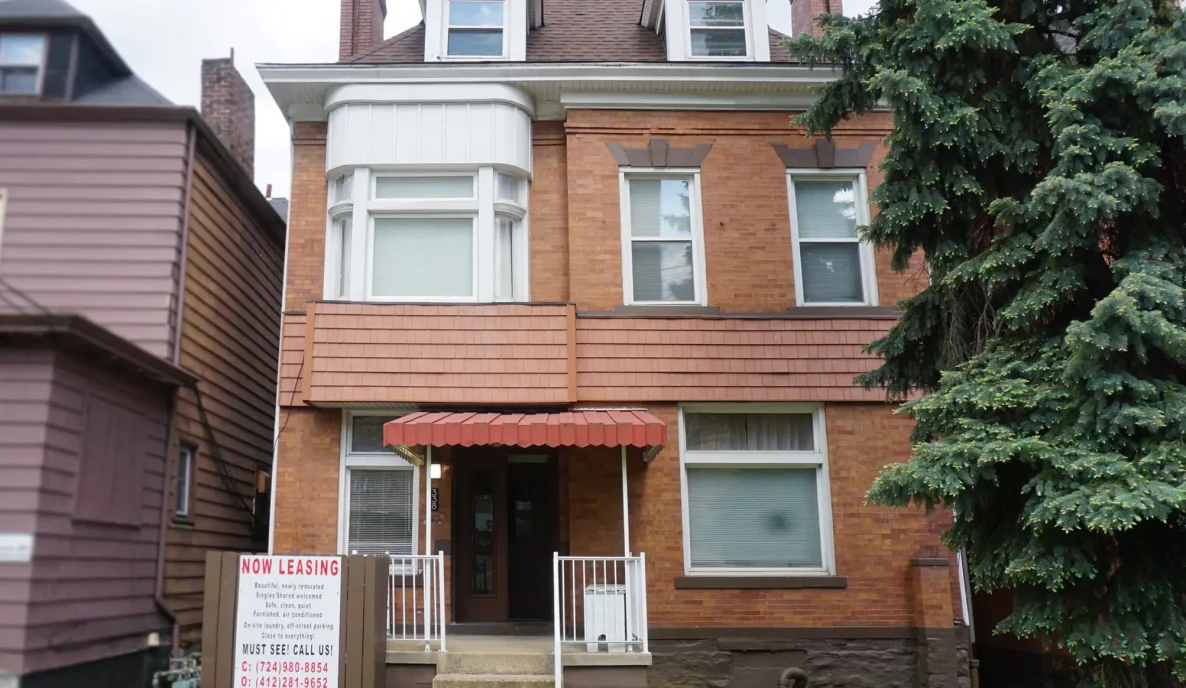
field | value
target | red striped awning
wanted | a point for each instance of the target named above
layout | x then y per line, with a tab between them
565	429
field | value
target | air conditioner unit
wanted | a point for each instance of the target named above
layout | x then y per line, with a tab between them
605	617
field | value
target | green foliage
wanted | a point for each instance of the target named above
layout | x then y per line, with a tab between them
1037	158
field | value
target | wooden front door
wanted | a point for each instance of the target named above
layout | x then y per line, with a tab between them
504	535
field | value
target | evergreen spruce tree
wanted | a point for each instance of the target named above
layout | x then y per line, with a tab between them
1037	158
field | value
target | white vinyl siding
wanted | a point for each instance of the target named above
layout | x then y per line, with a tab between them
662	257
755	490
832	265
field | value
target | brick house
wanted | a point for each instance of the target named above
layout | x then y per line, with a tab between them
572	314
140	287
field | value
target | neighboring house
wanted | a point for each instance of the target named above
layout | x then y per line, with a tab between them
140	287
577	265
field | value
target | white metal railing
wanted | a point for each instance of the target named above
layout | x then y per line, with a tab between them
416	599
599	605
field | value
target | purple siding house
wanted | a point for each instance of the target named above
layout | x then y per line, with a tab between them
140	287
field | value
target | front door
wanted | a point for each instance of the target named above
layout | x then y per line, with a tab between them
504	535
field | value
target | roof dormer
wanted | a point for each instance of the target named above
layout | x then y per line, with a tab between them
710	30
477	30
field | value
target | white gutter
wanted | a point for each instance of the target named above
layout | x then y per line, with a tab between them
679	72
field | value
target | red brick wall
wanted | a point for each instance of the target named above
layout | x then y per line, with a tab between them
548	224
307	216
747	236
307	481
361	26
803	14
873	545
228	106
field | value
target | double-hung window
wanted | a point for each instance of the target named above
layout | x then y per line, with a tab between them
717	29
832	265
185	473
378	492
476	28
22	61
662	238
755	490
425	247
341	231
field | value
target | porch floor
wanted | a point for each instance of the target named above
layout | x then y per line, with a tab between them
412	652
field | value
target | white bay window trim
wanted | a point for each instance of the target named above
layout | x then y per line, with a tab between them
362	461
866	254
483	208
751	459
699	280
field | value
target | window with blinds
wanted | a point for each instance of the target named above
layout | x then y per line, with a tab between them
833	263
662	251
381	512
756	492
423	257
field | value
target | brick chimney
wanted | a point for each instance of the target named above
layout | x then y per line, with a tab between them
228	106
362	26
804	14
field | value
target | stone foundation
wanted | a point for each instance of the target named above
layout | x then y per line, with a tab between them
758	663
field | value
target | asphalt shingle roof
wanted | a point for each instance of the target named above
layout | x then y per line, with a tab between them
573	31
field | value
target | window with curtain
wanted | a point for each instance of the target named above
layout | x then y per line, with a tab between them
756	492
476	28
380	519
662	239
717	29
833	262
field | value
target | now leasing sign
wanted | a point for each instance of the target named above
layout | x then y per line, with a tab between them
288	622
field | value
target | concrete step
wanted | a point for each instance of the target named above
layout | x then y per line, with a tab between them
493	681
498	663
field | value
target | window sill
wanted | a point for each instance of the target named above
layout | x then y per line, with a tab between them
856	310
759	582
183	523
664	309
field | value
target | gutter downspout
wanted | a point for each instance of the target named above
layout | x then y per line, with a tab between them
279	355
159	591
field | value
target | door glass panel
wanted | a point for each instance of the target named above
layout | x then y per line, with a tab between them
483	583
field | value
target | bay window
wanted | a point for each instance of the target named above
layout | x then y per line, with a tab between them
378	497
755	483
832	265
440	237
662	246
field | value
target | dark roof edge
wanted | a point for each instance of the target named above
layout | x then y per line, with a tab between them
97	338
240	181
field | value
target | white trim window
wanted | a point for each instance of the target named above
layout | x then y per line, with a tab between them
717	29
476	28
185	477
662	237
378	499
833	266
755	490
22	63
445	237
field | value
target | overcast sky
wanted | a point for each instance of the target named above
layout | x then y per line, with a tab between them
164	41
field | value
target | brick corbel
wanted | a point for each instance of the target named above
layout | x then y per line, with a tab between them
824	155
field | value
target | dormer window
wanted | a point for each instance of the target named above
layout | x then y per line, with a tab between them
717	29
476	28
22	58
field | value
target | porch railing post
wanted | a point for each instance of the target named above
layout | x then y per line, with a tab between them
428	600
625	509
558	667
441	596
642	561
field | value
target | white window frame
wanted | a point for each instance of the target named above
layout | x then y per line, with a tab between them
761	459
41	65
472	297
186	454
748	23
699	279
867	257
448	26
362	461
